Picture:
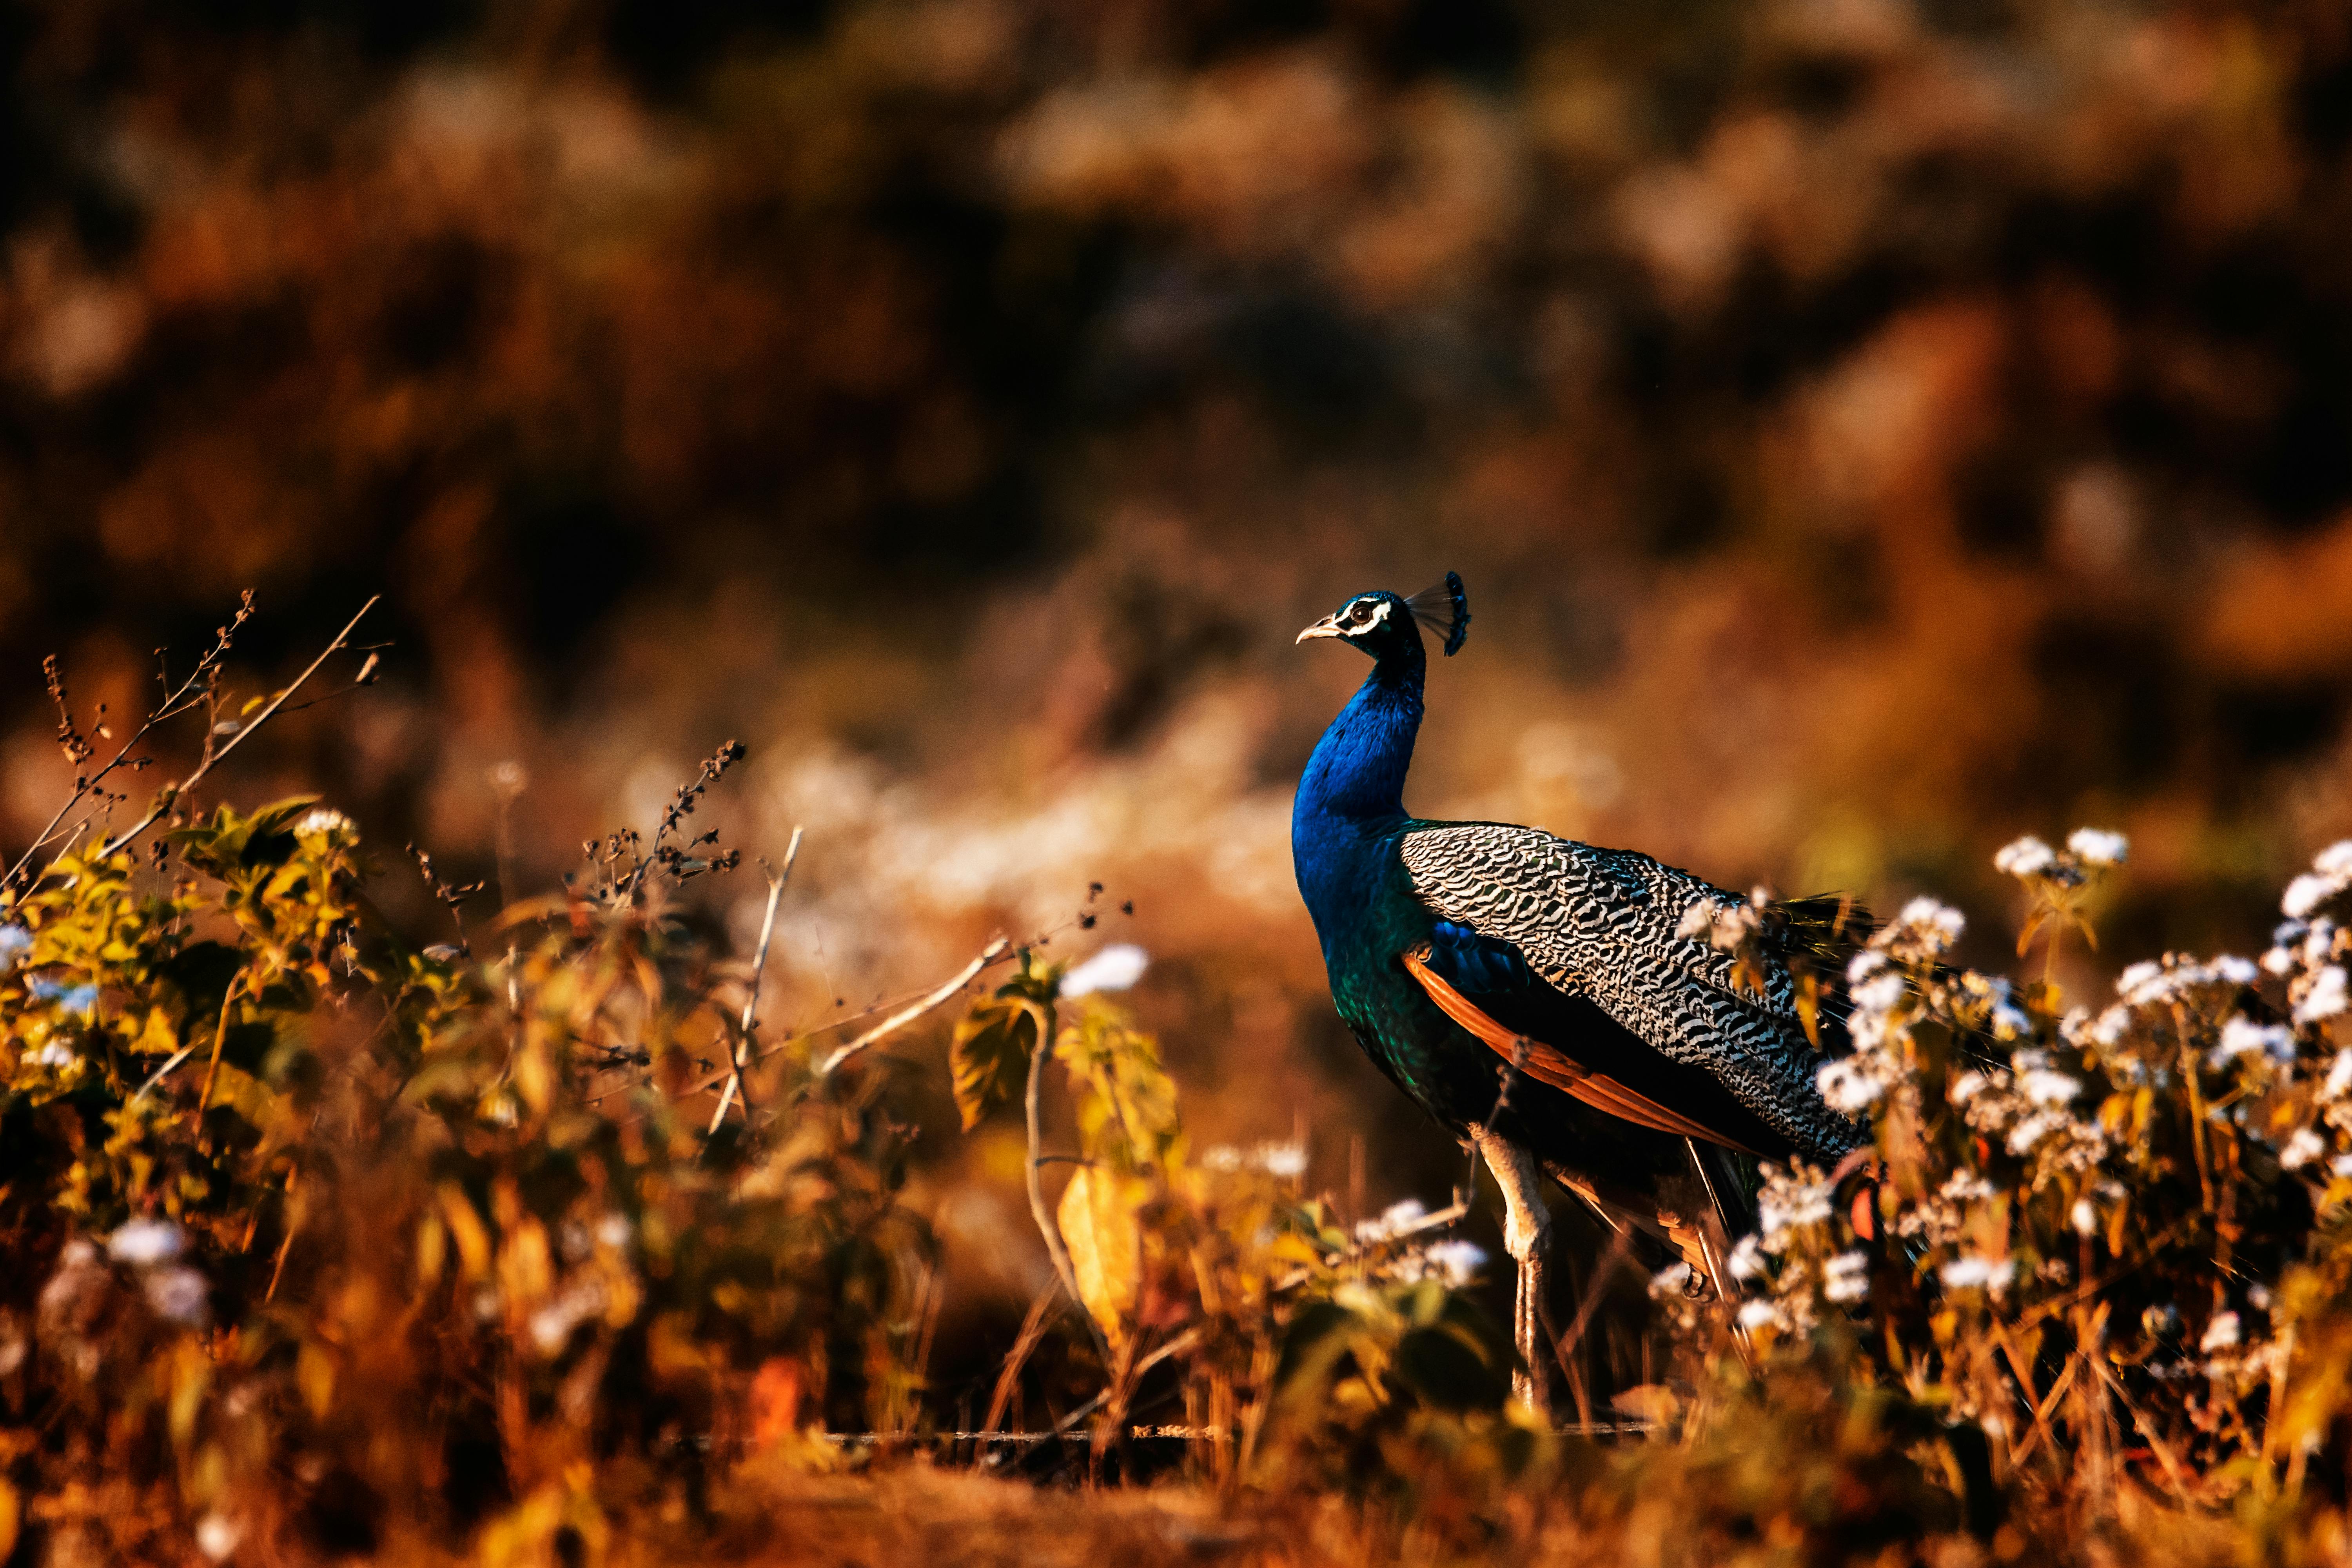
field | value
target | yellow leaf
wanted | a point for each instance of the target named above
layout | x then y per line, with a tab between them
989	1057
1097	1217
432	1250
11	1516
466	1230
314	1374
535	1077
158	1038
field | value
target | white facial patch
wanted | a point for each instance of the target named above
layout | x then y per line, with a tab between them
1350	626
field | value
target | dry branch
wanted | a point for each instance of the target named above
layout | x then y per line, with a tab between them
908	1014
751	1003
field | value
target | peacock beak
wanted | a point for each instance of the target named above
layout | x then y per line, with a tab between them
1329	626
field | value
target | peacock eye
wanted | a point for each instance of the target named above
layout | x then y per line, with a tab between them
1358	613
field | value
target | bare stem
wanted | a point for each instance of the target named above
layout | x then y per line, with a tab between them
176	702
751	1003
908	1014
170	794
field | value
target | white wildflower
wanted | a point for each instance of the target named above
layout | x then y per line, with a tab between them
2307	893
2084	1218
2278	961
2301	1149
1938	923
2340	1166
2324	999
56	1054
2098	846
2026	1134
1760	1315
1670	1281
81	998
14	940
1393	1221
1967	1087
2221	1334
179	1296
612	1231
2242	1036
2140	982
1457	1262
1221	1157
2236	970
1965	1186
1115	968
1846	1085
1287	1162
1747	1260
1881	992
552	1326
1846	1277
143	1242
1976	1273
2339	1077
2024	856
2330	874
217	1535
1785	1204
323	823
1863	964
2045	1088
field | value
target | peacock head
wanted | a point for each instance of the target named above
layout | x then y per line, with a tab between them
1386	624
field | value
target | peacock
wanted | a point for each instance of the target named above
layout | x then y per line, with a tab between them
1563	1009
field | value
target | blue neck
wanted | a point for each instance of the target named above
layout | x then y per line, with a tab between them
1354	786
1358	766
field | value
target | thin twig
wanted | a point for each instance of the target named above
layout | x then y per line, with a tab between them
174	703
906	1016
2035	1405
751	1003
278	1269
1609	1261
714	1079
1177	1346
170	794
1033	1329
176	1057
2156	1445
220	1038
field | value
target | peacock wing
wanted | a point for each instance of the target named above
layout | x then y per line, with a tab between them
1565	1039
1600	924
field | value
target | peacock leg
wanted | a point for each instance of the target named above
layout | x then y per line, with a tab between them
1527	1236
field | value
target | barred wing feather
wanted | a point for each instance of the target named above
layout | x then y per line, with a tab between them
1600	924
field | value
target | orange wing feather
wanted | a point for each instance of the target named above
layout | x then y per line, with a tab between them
1552	1066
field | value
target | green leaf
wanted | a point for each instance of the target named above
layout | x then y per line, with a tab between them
989	1053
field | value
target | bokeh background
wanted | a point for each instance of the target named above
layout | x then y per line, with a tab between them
1869	429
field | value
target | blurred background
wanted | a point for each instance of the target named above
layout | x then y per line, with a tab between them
1869	429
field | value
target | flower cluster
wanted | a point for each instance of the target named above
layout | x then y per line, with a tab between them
2312	948
2158	1184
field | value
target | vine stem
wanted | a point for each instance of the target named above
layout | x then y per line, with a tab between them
1037	1211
